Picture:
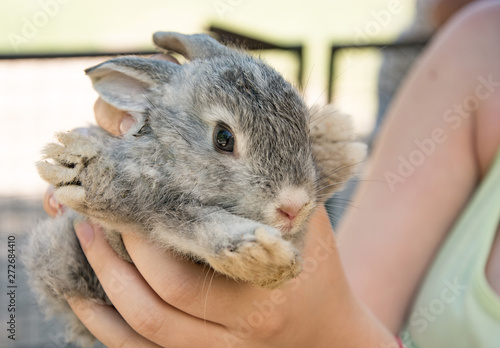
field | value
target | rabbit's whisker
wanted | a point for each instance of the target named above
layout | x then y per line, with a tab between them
206	296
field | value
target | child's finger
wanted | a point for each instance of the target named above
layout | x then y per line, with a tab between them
105	323
51	206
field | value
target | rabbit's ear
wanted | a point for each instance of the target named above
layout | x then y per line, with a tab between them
125	82
196	46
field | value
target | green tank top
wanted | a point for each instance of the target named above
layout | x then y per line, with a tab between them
456	307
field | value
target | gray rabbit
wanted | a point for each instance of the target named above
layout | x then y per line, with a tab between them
223	165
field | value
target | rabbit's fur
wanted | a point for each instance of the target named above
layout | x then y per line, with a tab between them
166	180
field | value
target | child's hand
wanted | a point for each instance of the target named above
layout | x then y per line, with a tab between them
163	300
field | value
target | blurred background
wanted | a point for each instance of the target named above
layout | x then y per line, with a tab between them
41	96
332	50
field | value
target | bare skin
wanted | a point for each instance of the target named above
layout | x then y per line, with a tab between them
166	299
409	223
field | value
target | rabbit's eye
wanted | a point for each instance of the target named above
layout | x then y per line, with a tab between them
223	139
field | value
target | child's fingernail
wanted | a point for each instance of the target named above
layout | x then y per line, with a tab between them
54	204
126	123
84	231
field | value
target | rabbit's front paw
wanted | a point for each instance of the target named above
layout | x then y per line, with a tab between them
262	258
66	162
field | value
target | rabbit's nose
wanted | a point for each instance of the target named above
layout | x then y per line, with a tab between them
289	211
291	201
293	205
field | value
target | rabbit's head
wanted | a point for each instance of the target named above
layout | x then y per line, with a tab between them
224	130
